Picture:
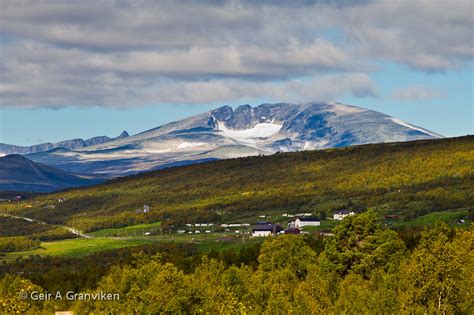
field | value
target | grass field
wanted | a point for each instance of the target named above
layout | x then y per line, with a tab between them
132	230
77	247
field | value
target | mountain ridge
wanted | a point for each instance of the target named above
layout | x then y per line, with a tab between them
226	132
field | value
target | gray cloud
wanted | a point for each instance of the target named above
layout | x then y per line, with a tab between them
431	35
110	89
124	53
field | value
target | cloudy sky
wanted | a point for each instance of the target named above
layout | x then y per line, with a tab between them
84	68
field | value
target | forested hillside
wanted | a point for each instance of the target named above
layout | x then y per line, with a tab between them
409	179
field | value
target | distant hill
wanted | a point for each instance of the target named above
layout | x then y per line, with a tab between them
409	179
229	133
17	173
73	144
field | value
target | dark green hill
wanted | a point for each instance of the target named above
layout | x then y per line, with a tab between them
18	173
409	179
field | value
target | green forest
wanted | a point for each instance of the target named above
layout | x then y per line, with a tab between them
409	248
362	269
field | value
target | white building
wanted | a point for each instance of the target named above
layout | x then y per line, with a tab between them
262	230
204	224
339	215
231	224
302	222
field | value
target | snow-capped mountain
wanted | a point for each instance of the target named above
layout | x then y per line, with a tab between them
228	133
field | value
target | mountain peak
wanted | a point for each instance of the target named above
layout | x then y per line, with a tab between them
223	113
124	134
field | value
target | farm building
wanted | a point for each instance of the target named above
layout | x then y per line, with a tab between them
339	215
308	221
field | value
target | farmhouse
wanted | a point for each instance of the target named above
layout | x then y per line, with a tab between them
339	215
261	230
308	221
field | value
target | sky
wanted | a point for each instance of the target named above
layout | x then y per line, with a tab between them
78	69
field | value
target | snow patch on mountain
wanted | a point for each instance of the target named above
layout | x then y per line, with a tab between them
157	151
402	123
249	136
187	145
311	145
